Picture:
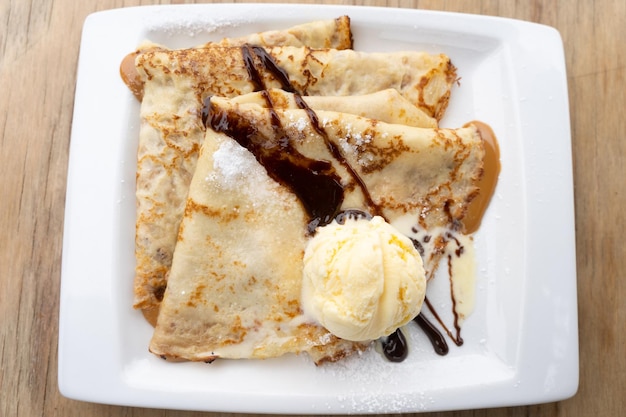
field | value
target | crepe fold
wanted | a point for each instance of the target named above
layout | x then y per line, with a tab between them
178	82
385	105
330	33
235	280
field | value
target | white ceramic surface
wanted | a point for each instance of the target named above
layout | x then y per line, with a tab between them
521	343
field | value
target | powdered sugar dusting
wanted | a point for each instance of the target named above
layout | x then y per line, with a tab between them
231	162
178	21
355	142
299	124
388	403
357	138
236	168
366	374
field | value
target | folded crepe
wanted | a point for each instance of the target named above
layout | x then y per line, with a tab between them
331	33
432	171
171	133
386	105
235	281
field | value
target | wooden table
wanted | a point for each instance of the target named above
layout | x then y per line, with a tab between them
39	45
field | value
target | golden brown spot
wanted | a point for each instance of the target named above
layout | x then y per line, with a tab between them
237	333
223	215
375	158
293	308
215	276
196	297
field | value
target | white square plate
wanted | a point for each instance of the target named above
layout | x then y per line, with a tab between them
521	343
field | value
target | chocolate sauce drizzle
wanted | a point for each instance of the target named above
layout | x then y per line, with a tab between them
249	52
354	214
320	191
315	182
434	335
455	338
395	347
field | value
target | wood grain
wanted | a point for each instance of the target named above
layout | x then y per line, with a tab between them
39	44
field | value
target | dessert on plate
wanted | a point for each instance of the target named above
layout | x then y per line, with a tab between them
294	199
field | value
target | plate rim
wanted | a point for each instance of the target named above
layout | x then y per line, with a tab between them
71	363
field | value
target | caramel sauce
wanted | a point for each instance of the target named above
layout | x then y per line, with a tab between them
130	76
487	183
151	314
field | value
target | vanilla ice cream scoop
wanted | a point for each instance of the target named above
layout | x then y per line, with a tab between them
362	279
